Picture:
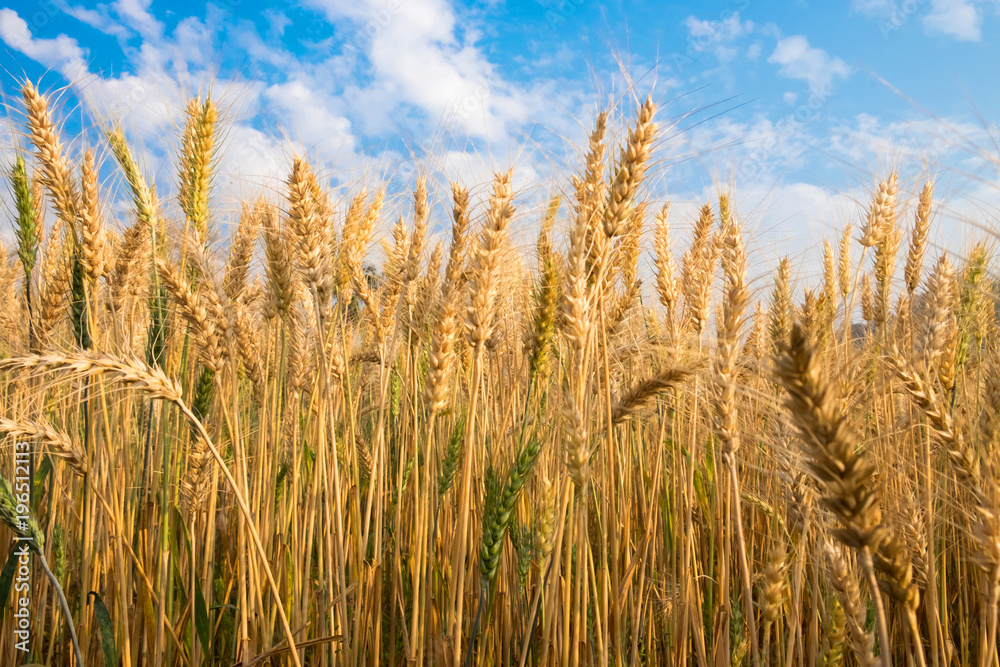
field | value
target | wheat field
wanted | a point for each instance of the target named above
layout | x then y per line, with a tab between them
282	444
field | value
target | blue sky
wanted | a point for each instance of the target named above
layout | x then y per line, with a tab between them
797	106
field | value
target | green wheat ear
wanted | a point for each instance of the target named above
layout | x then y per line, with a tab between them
28	229
499	507
23	525
452	456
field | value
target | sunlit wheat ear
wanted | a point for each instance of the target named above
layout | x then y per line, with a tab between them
57	176
830	287
630	169
143	196
645	392
844	263
196	312
250	349
418	238
354	247
348	232
666	269
91	228
936	326
577	443
196	166
304	222
846	585
867	300
698	272
485	264
196	483
781	309
56	277
918	238
459	236
809	317
442	355
885	263
775	583
756	346
278	262
241	248
730	329
56	443
589	188
445	334
130	372
964	457
883	210
540	338
545	524
829	443
129	266
896	568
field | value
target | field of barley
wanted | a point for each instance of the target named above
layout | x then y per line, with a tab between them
309	438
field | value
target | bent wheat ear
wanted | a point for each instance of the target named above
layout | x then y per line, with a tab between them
645	392
829	442
58	444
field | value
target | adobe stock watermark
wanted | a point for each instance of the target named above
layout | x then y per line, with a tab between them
561	11
22	576
901	14
45	12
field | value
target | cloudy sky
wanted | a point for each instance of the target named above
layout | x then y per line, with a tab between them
796	106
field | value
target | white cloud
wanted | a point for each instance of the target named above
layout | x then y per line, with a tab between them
718	36
61	53
97	19
880	8
136	14
310	114
955	18
799	60
959	19
417	58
